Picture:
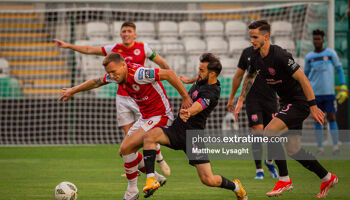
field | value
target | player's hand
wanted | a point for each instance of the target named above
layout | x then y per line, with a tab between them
60	43
342	94
238	108
317	114
187	102
66	94
187	80
230	104
184	114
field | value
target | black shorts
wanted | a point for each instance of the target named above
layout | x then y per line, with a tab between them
177	137
293	114
260	111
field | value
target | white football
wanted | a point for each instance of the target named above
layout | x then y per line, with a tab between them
66	191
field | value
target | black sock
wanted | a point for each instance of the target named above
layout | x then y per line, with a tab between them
257	154
149	157
309	162
227	184
282	167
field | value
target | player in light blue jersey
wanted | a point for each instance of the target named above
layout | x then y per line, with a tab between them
320	67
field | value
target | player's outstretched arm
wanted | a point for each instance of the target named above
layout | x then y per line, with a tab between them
171	77
161	62
316	113
82	49
247	84
87	85
236	82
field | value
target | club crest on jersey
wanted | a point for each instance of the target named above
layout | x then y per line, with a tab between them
254	117
135	87
194	94
137	52
272	71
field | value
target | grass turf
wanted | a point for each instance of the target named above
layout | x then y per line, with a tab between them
31	173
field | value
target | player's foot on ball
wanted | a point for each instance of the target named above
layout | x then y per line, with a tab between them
164	167
326	186
151	186
131	195
272	169
280	187
259	175
241	193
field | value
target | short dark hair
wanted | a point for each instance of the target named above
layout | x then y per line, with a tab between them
113	57
318	32
129	24
262	25
213	62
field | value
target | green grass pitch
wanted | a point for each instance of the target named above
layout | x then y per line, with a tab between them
31	173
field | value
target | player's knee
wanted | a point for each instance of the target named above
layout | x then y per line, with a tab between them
149	137
123	149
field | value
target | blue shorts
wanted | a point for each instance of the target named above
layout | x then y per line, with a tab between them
327	103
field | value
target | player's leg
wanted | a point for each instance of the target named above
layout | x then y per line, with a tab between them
151	139
331	109
257	152
277	127
208	178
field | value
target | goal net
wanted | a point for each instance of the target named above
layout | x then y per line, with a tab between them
33	70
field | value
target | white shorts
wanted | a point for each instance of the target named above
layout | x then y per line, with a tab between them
148	124
127	110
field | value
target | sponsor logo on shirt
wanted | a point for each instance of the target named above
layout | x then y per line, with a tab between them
128	58
137	52
194	94
141	99
292	64
149	73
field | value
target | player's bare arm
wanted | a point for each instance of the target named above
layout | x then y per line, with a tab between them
185	114
316	113
187	80
171	77
67	93
247	84
161	62
236	81
82	49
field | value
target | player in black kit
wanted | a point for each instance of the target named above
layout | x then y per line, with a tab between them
205	94
297	100
261	106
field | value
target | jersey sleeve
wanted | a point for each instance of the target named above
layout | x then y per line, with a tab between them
307	68
108	48
108	79
338	67
146	75
242	63
207	97
287	62
149	52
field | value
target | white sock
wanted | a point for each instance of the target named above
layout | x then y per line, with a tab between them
150	175
327	177
132	185
259	170
236	187
335	147
159	155
284	178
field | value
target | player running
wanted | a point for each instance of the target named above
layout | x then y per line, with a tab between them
205	94
319	68
261	106
136	52
144	86
280	71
